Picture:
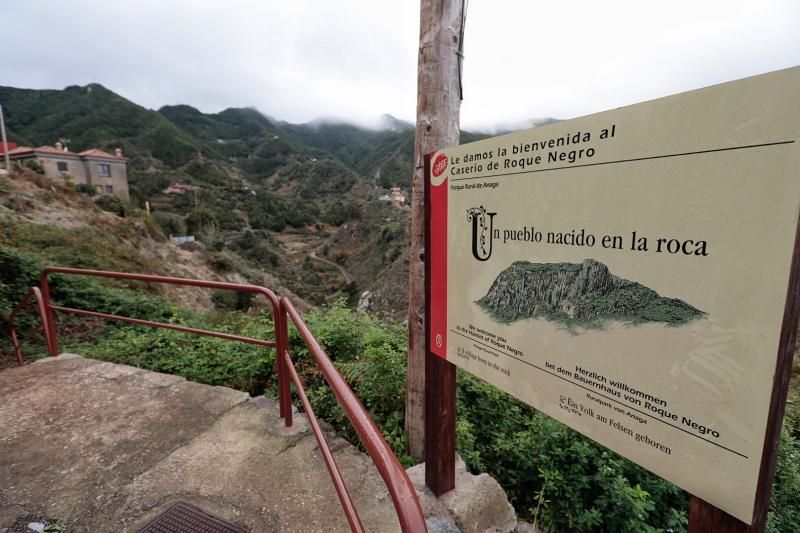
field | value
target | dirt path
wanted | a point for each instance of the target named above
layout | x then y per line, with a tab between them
345	273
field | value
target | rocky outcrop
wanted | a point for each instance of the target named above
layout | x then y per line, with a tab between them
578	292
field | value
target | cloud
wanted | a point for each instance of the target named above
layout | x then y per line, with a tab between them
356	59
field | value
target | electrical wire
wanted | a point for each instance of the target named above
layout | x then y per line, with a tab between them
460	51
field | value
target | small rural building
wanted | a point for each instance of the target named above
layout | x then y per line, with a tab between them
11	146
106	172
397	195
180	188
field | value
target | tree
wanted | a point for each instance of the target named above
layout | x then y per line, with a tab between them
199	220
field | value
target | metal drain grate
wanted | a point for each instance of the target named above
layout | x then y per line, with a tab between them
186	518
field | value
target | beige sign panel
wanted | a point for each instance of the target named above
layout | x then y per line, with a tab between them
626	273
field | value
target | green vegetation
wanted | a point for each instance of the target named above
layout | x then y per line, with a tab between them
85	188
19	272
97	246
93	116
112	204
553	475
784	509
246	367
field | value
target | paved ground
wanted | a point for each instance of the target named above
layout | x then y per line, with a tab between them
105	448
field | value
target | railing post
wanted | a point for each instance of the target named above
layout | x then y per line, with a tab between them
52	334
276	322
16	344
282	350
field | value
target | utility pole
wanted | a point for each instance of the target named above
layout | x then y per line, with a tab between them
438	106
5	141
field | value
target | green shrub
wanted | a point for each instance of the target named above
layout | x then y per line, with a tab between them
221	262
214	361
257	247
112	204
88	293
232	300
85	188
170	224
784	508
19	272
199	220
371	354
35	166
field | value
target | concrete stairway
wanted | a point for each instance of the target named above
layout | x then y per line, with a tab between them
103	447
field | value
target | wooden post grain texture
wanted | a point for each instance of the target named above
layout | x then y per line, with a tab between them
703	517
438	107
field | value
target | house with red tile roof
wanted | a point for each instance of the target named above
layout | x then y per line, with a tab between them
106	172
11	146
180	188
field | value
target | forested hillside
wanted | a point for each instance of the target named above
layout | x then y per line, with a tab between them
267	191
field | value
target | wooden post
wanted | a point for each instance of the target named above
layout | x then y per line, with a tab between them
440	388
438	106
704	517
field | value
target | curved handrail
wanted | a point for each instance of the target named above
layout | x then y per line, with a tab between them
402	491
253	289
37	294
270	296
400	487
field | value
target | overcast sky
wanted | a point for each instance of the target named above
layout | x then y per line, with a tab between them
298	60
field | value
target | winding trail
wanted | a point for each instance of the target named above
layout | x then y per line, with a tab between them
345	274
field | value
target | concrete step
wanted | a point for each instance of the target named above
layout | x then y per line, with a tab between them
106	447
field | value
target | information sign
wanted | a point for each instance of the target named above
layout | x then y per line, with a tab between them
627	273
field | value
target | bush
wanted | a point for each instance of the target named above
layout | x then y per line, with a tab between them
784	508
170	224
112	204
232	300
35	166
370	353
245	367
221	262
199	220
85	188
19	272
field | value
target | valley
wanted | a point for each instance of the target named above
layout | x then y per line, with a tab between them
293	204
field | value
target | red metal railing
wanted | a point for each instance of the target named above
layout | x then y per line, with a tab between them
37	295
406	504
395	477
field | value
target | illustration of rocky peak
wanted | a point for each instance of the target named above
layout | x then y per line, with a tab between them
578	293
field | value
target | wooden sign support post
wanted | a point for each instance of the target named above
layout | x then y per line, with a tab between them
440	388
